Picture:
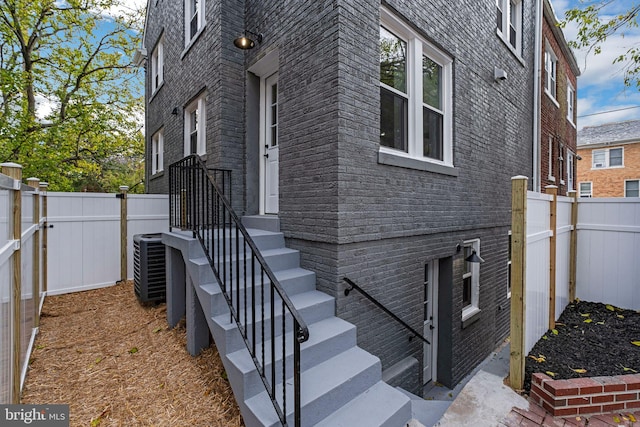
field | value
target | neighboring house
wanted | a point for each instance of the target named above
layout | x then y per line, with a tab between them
558	107
383	135
610	165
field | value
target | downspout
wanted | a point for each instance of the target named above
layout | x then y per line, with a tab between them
536	96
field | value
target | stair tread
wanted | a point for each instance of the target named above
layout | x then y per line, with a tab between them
371	408
320	380
319	333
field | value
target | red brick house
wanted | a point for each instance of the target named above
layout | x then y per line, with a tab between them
558	131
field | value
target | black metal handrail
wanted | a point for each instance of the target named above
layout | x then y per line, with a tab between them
352	286
199	203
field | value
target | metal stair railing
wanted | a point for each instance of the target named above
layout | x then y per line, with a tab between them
200	202
378	304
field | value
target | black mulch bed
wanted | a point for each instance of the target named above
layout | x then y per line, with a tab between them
601	346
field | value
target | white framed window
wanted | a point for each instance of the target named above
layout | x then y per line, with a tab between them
195	127
157	65
571	157
607	158
509	266
571	103
550	72
470	280
586	189
157	152
193	19
415	95
632	188
551	177
509	23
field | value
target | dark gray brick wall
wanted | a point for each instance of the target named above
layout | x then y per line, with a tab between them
346	213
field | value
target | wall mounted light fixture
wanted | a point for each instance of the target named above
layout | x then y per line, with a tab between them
245	42
474	257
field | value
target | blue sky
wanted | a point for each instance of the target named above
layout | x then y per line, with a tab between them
601	85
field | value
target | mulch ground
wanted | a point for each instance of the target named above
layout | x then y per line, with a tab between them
116	363
589	340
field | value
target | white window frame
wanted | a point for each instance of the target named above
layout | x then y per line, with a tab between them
188	15
198	105
157	152
551	177
473	308
550	73
571	104
606	163
417	47
625	186
510	245
571	179
157	66
585	193
511	18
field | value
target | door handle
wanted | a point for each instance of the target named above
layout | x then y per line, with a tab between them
432	327
266	156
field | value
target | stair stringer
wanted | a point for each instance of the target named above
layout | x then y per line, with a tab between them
351	396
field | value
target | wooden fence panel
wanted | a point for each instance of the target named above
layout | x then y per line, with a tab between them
608	248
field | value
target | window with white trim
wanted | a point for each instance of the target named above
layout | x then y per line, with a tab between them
157	65
607	158
157	152
550	71
470	280
571	157
586	189
509	267
632	188
551	177
415	95
194	127
571	103
509	22
193	19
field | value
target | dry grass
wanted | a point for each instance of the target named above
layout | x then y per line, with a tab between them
116	363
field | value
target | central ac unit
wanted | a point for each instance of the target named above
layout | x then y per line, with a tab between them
149	271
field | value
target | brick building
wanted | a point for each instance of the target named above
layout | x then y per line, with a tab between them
610	165
383	135
557	107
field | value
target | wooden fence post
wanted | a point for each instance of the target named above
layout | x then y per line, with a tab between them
518	282
553	226
45	265
573	248
35	183
123	232
15	171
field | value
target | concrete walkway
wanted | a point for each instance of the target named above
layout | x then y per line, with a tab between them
484	400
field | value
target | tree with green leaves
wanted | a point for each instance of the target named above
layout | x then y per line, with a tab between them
599	20
70	97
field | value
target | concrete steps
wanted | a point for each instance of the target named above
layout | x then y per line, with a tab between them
341	384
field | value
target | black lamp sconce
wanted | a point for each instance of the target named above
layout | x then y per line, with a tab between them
474	257
245	42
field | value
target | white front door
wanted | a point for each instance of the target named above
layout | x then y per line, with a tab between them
271	152
430	320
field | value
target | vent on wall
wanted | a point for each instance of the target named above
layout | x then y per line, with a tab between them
149	268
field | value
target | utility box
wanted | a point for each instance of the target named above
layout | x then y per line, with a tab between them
149	268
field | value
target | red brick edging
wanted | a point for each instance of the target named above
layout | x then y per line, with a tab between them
595	395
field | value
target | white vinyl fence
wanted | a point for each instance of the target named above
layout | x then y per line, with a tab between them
84	236
603	256
78	236
608	264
